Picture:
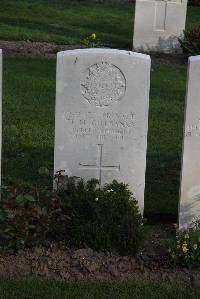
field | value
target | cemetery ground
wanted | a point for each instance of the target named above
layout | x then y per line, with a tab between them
28	127
28	140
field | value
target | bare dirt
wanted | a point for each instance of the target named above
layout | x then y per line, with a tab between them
33	49
57	262
49	50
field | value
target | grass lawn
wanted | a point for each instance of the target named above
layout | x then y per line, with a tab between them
64	21
35	289
166	116
28	126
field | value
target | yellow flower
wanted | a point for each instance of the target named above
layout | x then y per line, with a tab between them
186	236
178	246
175	225
184	248
195	246
178	242
93	36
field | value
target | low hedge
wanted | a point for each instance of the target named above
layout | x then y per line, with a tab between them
77	214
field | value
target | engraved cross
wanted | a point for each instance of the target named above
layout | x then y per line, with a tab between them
99	166
161	7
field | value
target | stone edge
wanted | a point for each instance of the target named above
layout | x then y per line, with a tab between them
102	51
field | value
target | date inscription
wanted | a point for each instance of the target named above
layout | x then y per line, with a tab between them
102	126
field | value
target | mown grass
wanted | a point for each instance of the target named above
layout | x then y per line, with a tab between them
166	115
64	21
35	289
28	117
28	126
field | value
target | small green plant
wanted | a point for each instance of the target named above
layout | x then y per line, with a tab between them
185	249
23	218
78	214
190	42
104	219
91	41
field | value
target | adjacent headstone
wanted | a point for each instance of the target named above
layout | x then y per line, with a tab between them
159	24
189	206
102	99
1	63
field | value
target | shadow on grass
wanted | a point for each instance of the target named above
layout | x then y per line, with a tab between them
22	163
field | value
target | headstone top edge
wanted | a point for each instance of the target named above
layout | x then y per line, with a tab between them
103	51
194	58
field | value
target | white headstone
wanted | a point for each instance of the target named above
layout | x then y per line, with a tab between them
158	24
1	65
102	99
189	206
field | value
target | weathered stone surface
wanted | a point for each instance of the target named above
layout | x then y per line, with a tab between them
158	24
189	206
102	100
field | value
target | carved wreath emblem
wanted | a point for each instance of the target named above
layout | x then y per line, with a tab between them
103	84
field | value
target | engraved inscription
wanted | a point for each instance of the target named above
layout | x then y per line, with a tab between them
103	84
99	166
101	125
193	130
